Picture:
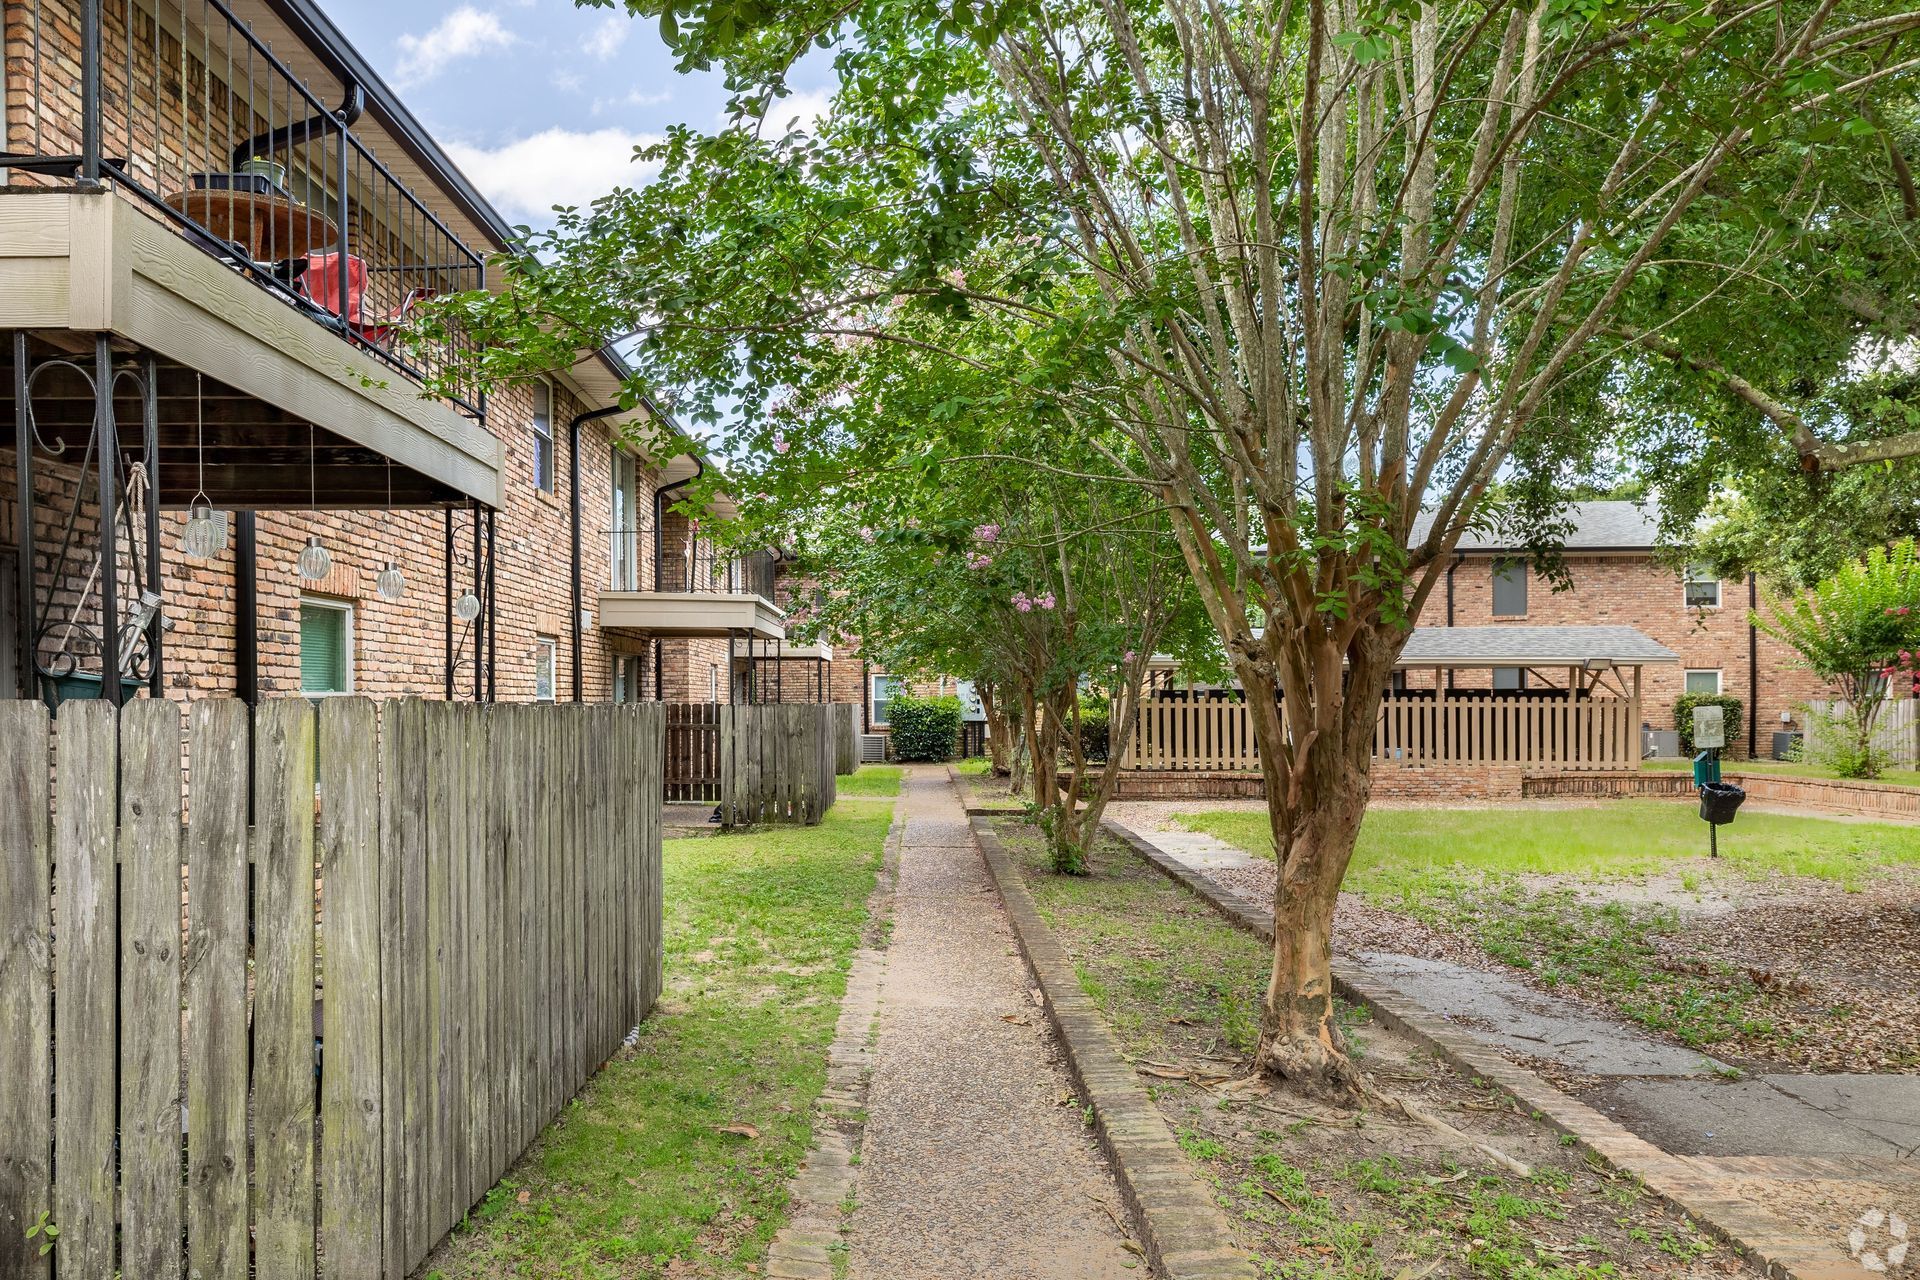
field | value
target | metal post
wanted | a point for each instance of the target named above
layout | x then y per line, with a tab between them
340	250
90	91
479	688
447	577
150	424
493	552
23	517
107	445
246	609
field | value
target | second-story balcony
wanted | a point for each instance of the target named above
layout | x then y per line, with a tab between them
198	181
678	582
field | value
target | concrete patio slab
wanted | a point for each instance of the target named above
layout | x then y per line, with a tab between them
1735	1118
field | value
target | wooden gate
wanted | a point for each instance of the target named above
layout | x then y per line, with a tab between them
373	997
693	752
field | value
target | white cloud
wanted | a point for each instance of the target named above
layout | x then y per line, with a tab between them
461	34
632	98
527	177
607	37
568	81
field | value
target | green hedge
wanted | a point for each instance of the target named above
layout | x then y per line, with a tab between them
924	728
1683	716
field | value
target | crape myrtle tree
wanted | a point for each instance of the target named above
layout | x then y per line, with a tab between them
1037	587
1321	271
1858	630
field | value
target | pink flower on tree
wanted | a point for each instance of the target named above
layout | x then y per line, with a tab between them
866	535
975	560
1046	601
1128	657
780	444
1023	602
987	532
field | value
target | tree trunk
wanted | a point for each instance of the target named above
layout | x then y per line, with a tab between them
1300	1039
999	730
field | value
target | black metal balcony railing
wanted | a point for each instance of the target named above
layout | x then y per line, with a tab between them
687	562
185	108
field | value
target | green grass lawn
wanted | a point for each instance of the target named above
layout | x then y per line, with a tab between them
1404	854
1899	777
872	780
637	1173
973	766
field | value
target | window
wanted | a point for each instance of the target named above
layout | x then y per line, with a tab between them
625	505
629	678
326	648
1703	682
1505	678
883	691
543	436
546	656
1509	588
1702	588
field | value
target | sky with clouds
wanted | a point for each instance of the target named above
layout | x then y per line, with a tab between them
539	102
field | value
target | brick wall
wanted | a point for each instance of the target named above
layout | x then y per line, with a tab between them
1632	590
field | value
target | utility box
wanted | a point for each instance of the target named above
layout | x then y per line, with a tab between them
1709	728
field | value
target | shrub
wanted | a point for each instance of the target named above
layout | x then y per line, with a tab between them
1837	742
924	728
1094	734
1683	716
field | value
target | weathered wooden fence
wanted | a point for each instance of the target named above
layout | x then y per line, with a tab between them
768	762
1589	733
371	1001
846	737
777	763
1896	730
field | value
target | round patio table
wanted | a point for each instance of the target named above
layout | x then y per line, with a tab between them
271	228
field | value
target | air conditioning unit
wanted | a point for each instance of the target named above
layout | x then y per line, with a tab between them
873	748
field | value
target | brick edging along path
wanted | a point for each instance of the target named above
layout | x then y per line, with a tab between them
1690	1188
1184	1232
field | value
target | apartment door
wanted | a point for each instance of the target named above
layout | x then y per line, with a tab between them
626	536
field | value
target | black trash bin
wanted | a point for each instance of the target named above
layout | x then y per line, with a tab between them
1719	801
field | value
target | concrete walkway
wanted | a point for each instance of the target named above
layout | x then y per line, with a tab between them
975	1161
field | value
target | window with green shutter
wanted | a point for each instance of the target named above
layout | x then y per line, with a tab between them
325	649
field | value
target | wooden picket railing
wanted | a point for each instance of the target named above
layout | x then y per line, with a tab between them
374	995
1216	735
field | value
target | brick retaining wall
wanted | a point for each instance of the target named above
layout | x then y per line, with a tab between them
1866	799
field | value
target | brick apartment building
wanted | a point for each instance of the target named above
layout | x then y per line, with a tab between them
213	224
1618	579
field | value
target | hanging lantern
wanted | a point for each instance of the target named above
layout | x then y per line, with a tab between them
206	533
315	561
391	583
467	607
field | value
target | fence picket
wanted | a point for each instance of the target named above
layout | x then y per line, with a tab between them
283	997
216	990
350	1082
85	975
26	988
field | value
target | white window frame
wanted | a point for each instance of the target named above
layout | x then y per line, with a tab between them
543	450
346	643
1719	680
875	688
546	649
623	485
713	682
1699	575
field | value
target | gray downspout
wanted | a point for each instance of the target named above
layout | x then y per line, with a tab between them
573	495
660	520
1455	564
